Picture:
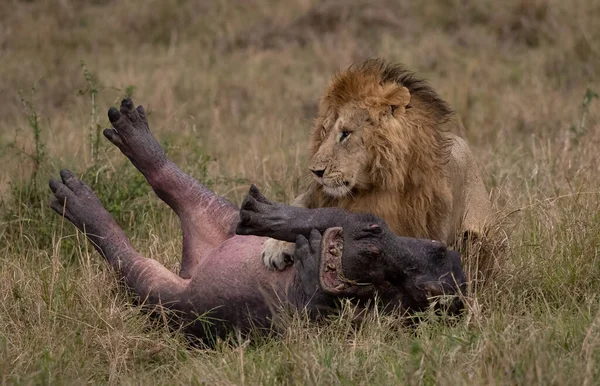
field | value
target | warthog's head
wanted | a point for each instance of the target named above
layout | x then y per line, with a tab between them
356	255
364	257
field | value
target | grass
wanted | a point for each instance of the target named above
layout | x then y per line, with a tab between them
231	88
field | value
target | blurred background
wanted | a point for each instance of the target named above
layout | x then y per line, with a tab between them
231	88
239	81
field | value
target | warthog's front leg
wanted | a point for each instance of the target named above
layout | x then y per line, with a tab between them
206	219
150	281
261	217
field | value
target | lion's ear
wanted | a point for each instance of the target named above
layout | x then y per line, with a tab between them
397	97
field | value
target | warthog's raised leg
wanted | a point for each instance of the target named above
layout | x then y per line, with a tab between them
153	283
206	219
261	217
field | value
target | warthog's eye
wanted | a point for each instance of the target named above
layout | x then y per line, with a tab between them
344	134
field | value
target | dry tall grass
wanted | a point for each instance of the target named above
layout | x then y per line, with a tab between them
232	87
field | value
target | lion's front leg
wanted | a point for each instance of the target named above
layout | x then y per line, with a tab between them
278	254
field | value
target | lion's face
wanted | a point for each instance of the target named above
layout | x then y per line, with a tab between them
340	163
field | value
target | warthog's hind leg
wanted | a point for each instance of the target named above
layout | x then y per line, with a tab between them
206	219
150	281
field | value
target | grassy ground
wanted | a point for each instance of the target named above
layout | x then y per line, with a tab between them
231	87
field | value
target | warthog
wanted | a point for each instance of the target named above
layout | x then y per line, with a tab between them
338	254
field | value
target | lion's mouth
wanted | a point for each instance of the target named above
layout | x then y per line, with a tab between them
338	190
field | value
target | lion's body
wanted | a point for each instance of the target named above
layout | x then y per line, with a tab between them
383	143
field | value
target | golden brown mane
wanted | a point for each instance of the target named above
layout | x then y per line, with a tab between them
407	155
361	80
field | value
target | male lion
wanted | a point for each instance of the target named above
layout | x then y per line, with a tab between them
383	144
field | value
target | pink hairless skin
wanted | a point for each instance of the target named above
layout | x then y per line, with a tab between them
338	254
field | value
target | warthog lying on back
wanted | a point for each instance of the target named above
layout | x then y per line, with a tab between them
338	254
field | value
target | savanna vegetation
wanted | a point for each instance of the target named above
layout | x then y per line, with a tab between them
231	88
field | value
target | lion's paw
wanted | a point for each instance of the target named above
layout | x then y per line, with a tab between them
278	254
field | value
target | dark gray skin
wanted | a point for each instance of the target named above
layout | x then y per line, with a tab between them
338	254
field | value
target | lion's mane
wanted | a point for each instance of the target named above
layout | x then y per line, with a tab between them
409	185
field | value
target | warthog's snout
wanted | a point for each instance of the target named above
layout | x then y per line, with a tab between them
446	290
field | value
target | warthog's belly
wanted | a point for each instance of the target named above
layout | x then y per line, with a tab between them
233	281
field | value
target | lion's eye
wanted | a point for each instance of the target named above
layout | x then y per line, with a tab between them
345	134
323	131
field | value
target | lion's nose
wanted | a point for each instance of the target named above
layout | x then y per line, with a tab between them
318	173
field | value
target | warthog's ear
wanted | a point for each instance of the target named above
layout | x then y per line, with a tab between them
397	97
